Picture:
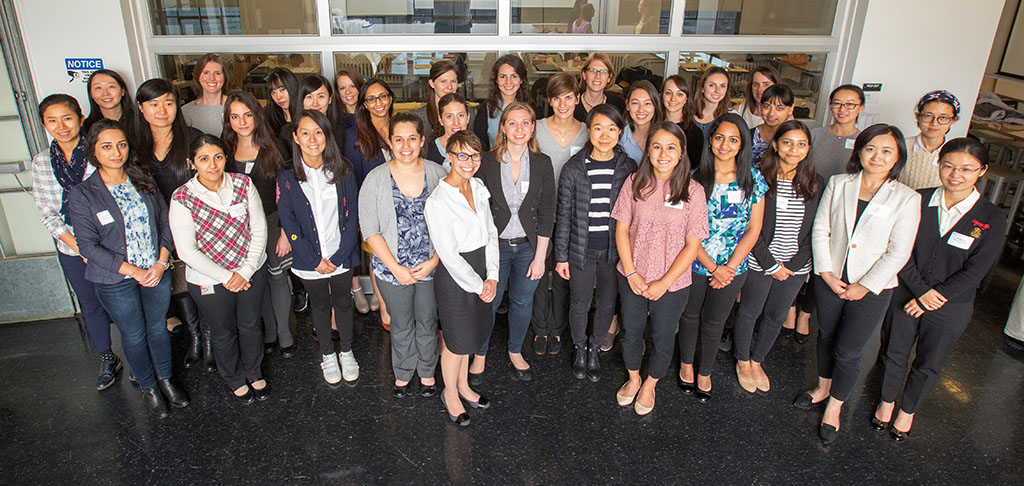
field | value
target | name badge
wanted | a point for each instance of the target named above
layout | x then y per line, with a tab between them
206	289
248	167
668	203
104	217
877	210
573	149
733	197
524	187
960	240
849	143
237	210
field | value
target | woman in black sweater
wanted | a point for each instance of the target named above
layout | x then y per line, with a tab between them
958	240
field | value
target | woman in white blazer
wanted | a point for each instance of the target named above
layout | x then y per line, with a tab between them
863	235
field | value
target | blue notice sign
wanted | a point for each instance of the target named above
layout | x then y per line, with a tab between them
79	69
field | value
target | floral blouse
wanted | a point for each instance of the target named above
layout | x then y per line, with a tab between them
138	235
414	247
758	147
728	216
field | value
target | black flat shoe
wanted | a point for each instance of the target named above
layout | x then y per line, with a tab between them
787	332
579	363
878	424
288	352
174	394
480	403
462	420
897	435
702	396
247	398
686	386
154	403
428	391
476	379
806	402
540	345
269	347
108	373
261	394
520	375
828	433
801	338
554	345
400	391
594	365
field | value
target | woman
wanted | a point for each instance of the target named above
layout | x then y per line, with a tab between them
650	17
220	232
781	258
367	142
108	98
252	151
958	241
584	234
54	174
466	240
316	93
521	182
559	136
284	88
391	205
453	117
712	98
442	79
643	105
735	192
161	141
582	24
862	236
776	108
348	82
597	74
324	240
936	113
211	83
762	78
508	78
120	223
663	204
675	94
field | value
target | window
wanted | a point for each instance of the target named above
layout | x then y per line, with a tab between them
406	72
759	17
233	17
414	17
248	71
590	17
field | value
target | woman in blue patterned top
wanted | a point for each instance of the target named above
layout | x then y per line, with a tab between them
391	218
735	209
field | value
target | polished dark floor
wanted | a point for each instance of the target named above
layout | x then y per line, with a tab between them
56	428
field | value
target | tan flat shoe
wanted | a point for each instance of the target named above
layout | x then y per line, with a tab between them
763	384
640	409
746	382
623	400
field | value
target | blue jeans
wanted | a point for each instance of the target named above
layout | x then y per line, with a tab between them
140	315
515	261
96	321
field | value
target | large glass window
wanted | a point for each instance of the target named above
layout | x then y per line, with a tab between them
233	17
590	17
759	17
248	71
414	16
406	72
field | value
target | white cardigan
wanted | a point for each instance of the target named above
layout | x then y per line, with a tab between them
883	240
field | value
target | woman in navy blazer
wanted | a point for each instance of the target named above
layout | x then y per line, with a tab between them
319	213
959	239
120	221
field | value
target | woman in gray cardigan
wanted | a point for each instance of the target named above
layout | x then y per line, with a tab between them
391	218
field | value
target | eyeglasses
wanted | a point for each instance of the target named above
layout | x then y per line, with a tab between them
849	106
602	72
383	97
959	170
462	156
941	119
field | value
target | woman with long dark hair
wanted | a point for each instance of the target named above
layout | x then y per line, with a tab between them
761	78
678	103
120	223
711	99
284	90
367	142
664	205
776	108
781	258
454	117
108	98
315	93
507	84
211	82
643	106
442	80
347	83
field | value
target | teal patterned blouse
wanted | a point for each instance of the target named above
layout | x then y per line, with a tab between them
728	216
138	234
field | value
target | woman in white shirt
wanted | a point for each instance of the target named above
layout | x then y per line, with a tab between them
464	236
862	236
220	232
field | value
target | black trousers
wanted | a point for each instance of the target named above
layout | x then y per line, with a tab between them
664	314
764	306
327	293
704	316
935	333
844	327
551	304
595	270
235	328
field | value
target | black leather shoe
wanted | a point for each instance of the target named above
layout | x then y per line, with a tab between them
554	345
878	424
154	403
480	403
269	347
190	317
462	420
208	360
702	396
300	301
805	402
400	391
686	386
476	379
520	375
247	398
540	345
787	332
801	338
594	365
828	433
897	435
579	363
175	395
288	352
428	391
108	373
263	393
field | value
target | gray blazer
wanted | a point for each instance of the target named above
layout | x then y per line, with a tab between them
377	205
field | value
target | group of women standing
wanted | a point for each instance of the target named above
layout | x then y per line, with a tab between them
657	207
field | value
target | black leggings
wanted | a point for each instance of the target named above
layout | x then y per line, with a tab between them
325	294
705	315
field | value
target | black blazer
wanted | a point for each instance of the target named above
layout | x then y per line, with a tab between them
803	254
104	244
480	125
953	272
433	154
537	214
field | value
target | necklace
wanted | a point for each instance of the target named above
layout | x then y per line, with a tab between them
562	134
588	105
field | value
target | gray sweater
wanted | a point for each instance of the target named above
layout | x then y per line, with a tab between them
829	152
206	118
377	204
559	154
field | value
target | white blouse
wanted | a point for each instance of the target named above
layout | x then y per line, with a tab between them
457	228
323	200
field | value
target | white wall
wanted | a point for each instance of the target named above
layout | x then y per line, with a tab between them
915	46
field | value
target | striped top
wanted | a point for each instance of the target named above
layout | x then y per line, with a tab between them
600	174
789	215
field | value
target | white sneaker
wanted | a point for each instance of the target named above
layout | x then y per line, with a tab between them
349	367
332	375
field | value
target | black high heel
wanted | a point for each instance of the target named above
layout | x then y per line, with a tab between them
878	424
898	435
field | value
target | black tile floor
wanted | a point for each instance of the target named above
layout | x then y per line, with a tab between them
56	428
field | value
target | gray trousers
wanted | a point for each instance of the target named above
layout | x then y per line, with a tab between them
413	313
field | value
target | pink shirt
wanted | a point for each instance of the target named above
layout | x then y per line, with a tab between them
658	230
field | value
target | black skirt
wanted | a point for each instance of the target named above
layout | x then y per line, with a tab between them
465	319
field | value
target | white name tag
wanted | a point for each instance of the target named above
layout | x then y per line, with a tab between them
524	187
960	241
573	149
248	167
733	197
849	143
104	217
206	289
237	210
668	203
877	210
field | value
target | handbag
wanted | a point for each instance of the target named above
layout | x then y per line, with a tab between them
178	283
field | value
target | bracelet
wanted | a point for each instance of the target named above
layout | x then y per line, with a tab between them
716	269
630	274
165	264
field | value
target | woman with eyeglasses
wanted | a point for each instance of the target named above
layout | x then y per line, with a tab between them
596	75
453	115
776	108
508	84
936	113
762	78
958	241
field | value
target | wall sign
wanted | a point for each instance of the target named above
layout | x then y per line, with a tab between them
79	69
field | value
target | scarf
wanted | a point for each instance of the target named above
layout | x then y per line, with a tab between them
68	175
